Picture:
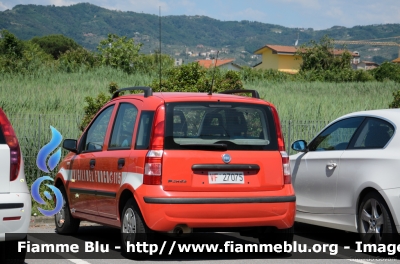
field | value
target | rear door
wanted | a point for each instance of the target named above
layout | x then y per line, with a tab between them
4	164
113	162
223	147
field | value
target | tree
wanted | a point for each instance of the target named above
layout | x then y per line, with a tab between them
20	56
387	71
119	52
321	56
73	60
150	63
10	45
55	45
194	78
396	100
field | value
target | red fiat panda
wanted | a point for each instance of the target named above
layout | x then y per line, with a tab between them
178	162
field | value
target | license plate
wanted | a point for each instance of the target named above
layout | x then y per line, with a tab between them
225	177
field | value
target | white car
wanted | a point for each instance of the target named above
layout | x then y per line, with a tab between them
348	176
15	199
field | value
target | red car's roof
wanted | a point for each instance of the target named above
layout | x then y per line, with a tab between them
192	96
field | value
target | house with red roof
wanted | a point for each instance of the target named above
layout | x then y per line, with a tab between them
284	58
227	64
366	65
396	60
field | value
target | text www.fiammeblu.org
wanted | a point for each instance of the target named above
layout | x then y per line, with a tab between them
231	247
227	247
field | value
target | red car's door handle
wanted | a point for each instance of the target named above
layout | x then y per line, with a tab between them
121	163
92	163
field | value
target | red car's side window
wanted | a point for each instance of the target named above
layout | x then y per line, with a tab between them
123	128
94	139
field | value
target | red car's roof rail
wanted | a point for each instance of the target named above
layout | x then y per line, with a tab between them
254	93
146	90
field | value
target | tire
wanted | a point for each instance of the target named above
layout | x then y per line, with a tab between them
65	222
278	236
375	223
133	230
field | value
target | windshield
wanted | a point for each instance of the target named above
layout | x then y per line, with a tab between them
193	125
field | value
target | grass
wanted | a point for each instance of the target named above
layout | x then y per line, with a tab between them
325	101
34	102
50	92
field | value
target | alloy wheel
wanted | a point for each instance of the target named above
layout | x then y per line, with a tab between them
129	225
372	221
60	216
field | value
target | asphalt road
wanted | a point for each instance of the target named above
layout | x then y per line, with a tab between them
339	246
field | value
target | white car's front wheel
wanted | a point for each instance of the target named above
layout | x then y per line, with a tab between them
375	223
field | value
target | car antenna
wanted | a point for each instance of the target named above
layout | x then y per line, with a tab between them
212	81
159	22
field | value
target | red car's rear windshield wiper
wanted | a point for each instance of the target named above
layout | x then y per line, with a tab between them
205	146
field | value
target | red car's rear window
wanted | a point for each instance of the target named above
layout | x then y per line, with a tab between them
237	126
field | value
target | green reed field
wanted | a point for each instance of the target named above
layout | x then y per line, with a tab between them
325	101
63	93
48	98
49	92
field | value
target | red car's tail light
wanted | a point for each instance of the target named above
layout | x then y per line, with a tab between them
287	178
12	142
281	141
153	160
153	167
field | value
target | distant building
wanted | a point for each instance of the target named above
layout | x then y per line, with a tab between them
366	65
277	31
225	50
284	58
178	62
396	60
356	57
227	64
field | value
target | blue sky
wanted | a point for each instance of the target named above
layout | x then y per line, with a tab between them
316	14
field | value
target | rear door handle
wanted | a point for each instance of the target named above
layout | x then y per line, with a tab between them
92	163
121	163
331	165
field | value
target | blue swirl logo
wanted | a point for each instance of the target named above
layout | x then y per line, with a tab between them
38	198
44	152
47	149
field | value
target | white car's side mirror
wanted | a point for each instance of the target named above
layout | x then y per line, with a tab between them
300	145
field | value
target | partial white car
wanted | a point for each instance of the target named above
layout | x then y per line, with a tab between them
15	198
348	176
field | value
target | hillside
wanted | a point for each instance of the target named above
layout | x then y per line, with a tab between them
87	24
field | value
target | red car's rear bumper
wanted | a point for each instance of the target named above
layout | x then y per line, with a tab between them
162	211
